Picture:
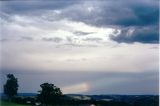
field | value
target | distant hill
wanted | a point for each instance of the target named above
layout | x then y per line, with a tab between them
131	99
22	94
27	94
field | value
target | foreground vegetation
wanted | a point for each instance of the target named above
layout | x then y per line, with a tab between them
149	100
78	103
6	103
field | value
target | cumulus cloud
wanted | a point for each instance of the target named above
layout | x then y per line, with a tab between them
25	38
54	39
80	33
93	39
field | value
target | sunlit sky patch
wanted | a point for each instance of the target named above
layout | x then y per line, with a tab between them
81	36
78	88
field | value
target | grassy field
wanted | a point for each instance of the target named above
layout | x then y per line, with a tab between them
4	103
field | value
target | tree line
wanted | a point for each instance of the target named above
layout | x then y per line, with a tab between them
48	94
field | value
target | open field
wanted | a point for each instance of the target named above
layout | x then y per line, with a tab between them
4	103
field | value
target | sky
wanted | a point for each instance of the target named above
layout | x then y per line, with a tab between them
81	46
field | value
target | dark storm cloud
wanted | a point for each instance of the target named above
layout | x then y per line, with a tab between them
148	34
138	14
17	6
121	12
53	39
103	13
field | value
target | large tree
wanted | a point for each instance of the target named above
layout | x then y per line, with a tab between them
11	86
50	94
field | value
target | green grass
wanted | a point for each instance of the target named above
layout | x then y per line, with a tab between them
5	103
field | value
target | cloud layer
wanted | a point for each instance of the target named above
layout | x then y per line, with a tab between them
142	16
82	36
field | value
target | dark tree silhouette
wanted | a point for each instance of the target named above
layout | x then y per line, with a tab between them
50	94
11	86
